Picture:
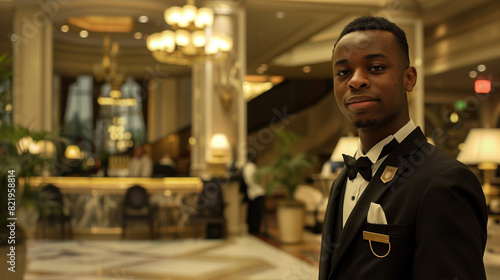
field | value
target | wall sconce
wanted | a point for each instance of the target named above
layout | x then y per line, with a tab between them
220	150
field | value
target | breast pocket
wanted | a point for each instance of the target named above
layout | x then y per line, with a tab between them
386	240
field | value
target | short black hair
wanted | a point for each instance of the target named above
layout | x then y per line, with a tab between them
378	23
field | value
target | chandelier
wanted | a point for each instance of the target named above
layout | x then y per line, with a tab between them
190	38
108	72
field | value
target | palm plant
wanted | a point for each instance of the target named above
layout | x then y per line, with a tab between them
16	159
16	140
288	169
5	74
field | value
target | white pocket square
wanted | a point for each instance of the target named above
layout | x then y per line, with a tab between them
376	215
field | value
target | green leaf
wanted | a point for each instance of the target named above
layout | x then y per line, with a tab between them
287	169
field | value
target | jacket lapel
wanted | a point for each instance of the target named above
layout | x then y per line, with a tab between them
332	204
375	189
328	244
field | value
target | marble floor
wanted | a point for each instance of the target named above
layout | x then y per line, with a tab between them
244	257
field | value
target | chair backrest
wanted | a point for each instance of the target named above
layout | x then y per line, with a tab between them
136	197
53	193
51	202
210	201
164	171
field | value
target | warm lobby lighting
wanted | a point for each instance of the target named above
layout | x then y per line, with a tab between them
84	34
346	145
481	149
119	24
24	144
220	148
191	38
73	152
110	101
42	147
107	70
143	19
255	85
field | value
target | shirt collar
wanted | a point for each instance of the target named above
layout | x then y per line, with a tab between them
374	153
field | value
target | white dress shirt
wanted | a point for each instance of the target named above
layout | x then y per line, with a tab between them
140	167
254	189
355	187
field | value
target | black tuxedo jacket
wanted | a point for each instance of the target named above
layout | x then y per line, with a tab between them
436	215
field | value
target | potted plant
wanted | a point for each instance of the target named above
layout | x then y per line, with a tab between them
19	162
17	166
287	172
5	92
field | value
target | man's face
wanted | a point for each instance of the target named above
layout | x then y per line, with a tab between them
138	152
370	80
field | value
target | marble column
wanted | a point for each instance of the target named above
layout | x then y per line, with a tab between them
218	103
162	108
414	29
32	67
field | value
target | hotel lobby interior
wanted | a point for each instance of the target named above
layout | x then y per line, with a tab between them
84	83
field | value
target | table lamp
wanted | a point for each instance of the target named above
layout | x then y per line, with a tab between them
220	149
346	145
482	148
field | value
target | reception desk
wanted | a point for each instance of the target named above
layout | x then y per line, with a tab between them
96	203
120	185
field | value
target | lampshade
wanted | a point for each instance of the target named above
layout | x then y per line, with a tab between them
73	152
481	146
219	143
42	147
346	145
24	144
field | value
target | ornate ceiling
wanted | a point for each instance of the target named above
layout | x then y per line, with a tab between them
276	29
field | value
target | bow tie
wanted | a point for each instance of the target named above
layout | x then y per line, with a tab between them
363	165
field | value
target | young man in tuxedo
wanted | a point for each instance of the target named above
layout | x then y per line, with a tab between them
401	208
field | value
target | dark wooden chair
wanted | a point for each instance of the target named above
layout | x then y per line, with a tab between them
136	207
210	211
51	212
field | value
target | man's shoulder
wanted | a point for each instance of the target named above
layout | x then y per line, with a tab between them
440	157
428	160
438	162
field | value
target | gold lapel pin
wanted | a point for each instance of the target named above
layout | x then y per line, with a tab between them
388	174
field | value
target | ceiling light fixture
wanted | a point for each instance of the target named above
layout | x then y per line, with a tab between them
84	33
108	72
138	35
143	19
191	37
